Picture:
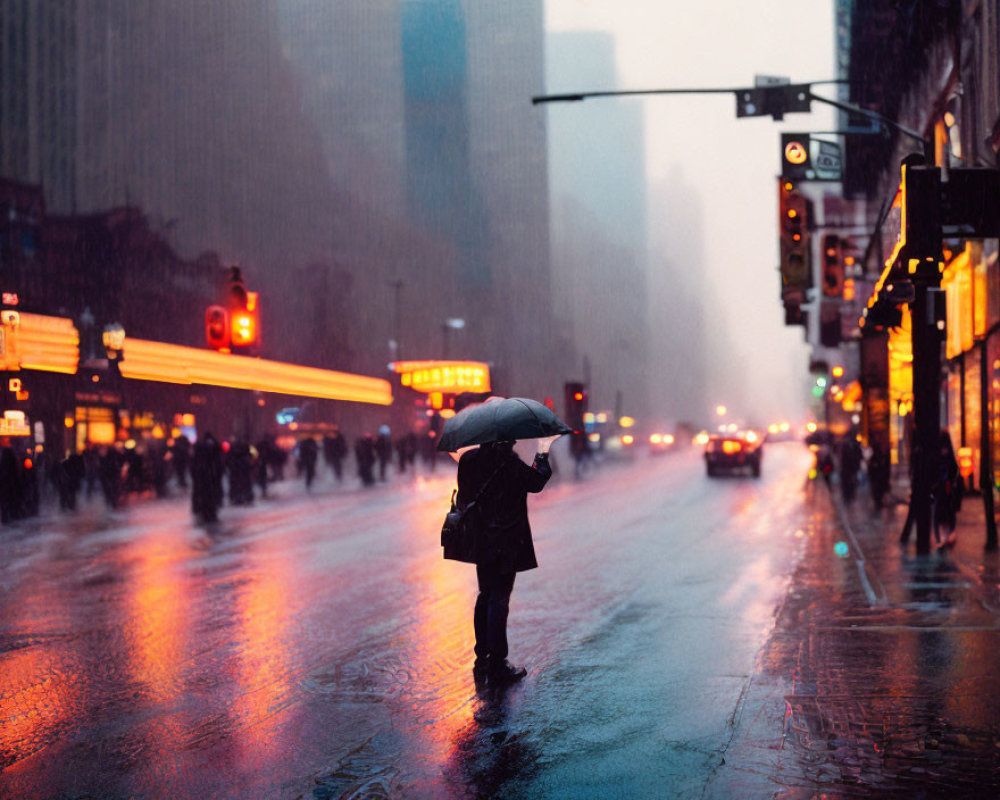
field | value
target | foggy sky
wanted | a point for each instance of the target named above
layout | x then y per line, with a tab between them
727	167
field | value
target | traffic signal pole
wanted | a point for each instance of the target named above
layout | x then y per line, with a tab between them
926	451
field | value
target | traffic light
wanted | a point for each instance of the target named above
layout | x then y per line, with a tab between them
796	161
833	266
793	229
243	327
829	324
774	101
576	404
236	292
244	319
217	328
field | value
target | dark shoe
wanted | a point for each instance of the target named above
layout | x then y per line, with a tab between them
480	672
506	673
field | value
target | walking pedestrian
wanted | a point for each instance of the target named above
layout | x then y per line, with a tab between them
260	463
111	465
180	452
364	454
206	478
947	493
239	463
878	474
501	481
308	452
9	499
383	450
850	463
334	453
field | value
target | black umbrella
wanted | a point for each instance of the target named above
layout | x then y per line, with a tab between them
500	420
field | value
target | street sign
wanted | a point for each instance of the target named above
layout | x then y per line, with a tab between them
828	161
771	80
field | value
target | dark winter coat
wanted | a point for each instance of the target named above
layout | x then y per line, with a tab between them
506	544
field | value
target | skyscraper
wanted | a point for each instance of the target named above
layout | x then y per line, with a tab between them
599	220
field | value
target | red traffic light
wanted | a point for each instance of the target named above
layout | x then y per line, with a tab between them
243	329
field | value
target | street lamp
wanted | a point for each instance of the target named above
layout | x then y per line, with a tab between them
450	324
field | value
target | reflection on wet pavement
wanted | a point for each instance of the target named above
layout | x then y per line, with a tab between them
318	646
888	694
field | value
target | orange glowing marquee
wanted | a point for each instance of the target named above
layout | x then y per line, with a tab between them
451	377
34	341
52	344
172	363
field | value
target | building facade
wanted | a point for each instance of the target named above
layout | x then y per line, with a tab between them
928	78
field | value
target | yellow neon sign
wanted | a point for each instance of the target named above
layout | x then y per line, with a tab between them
444	376
35	341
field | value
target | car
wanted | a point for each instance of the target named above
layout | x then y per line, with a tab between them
661	443
731	452
780	432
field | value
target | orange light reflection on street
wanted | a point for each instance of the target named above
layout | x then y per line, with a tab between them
263	616
442	638
158	610
38	697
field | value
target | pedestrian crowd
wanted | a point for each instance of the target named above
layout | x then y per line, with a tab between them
208	468
845	462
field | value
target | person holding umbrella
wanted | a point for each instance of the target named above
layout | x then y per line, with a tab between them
496	478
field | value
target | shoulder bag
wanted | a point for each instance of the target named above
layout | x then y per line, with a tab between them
462	526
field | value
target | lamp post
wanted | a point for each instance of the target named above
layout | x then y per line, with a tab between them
394	349
449	324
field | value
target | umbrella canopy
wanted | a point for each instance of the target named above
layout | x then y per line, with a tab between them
499	420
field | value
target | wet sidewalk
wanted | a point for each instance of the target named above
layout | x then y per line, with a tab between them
882	675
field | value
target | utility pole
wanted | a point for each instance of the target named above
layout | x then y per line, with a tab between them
394	345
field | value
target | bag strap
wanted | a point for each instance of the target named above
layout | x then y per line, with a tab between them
485	484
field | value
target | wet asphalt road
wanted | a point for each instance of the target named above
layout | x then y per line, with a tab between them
319	647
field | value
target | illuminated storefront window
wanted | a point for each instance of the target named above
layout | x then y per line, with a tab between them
900	388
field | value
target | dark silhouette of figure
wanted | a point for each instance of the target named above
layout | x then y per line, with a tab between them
158	466
9	501
111	476
260	464
401	457
239	463
334	453
947	493
68	476
134	470
428	449
850	463
92	469
915	464
878	475
308	453
383	451
504	547
410	448
206	478
276	459
180	456
364	454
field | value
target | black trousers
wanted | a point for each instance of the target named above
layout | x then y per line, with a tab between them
490	618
